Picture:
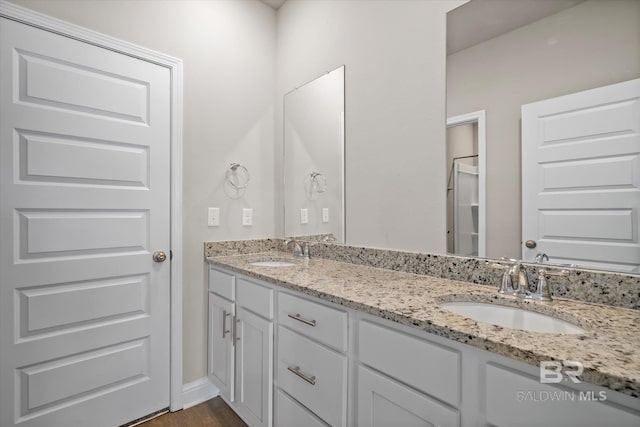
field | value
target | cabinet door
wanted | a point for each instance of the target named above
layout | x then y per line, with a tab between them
221	361
384	402
254	368
516	398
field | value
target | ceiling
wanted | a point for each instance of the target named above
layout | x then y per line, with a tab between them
480	20
274	3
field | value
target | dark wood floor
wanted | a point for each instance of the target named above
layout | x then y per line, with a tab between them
212	413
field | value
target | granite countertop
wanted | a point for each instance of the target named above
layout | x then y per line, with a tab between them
608	350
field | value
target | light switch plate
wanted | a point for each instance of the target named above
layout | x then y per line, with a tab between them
325	215
247	216
213	217
304	216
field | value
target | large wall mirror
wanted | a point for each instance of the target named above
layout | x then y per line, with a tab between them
502	55
314	159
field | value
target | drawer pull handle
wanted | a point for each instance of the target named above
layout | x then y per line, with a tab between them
296	370
225	313
303	320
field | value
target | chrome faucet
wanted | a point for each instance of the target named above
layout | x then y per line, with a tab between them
300	249
520	279
515	280
541	257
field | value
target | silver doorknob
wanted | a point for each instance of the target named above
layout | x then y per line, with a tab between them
530	244
159	256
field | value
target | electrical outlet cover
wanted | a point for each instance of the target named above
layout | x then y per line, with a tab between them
213	217
247	216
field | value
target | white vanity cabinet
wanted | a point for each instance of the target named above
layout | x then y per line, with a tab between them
241	345
282	358
411	378
311	366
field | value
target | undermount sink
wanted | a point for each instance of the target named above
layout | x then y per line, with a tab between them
272	263
512	317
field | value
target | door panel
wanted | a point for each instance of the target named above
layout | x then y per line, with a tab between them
44	309
58	159
581	177
84	202
53	82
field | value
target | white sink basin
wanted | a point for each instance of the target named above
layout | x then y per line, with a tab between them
272	263
512	317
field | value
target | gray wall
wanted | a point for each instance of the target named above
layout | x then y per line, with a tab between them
593	44
228	49
394	56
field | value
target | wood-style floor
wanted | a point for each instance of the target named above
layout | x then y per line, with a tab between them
212	413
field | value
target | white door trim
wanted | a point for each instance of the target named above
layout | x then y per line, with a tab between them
480	118
39	20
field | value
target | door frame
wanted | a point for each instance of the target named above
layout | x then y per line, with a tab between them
479	117
57	26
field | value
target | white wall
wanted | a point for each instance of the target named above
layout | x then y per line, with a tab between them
394	57
228	49
593	44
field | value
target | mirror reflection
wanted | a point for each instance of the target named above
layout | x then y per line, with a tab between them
314	159
559	190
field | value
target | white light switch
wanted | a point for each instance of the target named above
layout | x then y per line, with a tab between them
247	216
213	217
304	216
325	215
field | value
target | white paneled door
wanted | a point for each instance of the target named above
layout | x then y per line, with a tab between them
581	177
84	203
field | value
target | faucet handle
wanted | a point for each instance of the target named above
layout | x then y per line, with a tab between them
305	249
506	286
496	265
542	289
543	293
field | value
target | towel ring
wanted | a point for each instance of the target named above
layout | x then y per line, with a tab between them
237	176
318	182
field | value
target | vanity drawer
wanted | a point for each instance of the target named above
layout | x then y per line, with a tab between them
222	284
290	413
320	322
430	368
255	297
313	375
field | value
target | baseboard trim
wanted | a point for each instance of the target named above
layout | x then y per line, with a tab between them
198	391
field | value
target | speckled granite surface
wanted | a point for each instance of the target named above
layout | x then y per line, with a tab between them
617	289
608	349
